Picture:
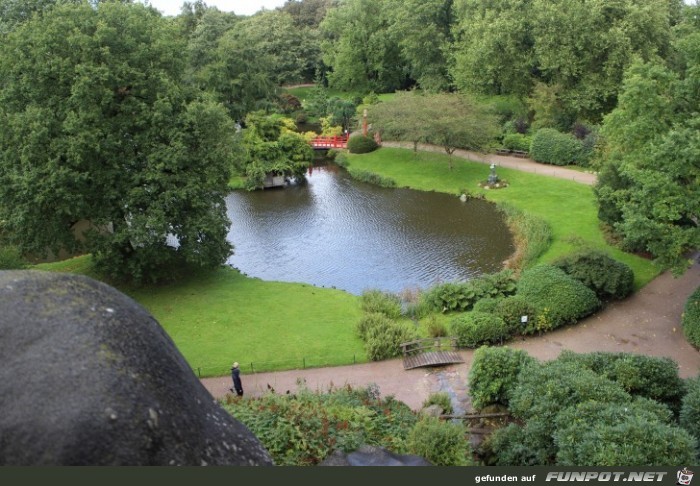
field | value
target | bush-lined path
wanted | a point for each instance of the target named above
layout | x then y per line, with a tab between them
649	322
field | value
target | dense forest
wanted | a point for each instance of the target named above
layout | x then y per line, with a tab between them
113	113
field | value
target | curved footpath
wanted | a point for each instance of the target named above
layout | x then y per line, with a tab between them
648	323
510	162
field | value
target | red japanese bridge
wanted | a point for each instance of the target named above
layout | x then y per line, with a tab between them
322	143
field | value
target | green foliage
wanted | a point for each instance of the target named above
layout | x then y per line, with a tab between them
552	147
512	309
645	376
494	374
689	417
515	445
633	434
383	336
441	443
487	305
377	301
111	132
476	328
11	258
607	277
533	236
517	141
436	328
461	297
567	299
304	428
359	144
442	399
370	177
691	319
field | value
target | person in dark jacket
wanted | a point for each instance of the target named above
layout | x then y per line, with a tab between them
236	376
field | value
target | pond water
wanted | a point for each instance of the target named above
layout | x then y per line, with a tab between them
334	231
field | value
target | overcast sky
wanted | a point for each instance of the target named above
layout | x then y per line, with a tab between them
239	7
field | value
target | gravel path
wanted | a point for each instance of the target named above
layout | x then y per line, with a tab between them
649	323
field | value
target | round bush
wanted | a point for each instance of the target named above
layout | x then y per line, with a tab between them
477	328
516	445
607	277
512	309
441	443
494	374
558	298
517	141
552	147
689	418
384	342
359	144
11	258
691	319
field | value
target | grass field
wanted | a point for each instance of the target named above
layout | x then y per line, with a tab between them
223	316
569	207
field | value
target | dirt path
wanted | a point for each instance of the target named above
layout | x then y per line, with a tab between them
510	162
646	323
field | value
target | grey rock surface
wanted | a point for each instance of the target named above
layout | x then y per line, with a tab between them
91	378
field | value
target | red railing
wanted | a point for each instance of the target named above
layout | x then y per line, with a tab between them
330	142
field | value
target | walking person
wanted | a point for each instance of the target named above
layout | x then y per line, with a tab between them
236	376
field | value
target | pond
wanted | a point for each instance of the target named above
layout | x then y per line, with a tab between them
337	232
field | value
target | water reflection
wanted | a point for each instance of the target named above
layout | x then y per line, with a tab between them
336	232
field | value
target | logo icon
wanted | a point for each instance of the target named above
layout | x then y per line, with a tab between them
684	477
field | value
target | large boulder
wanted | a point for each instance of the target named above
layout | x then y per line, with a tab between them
90	378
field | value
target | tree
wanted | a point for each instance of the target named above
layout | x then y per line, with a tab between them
98	126
272	147
649	189
361	49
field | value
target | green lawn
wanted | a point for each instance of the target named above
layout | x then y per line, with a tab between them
567	206
223	316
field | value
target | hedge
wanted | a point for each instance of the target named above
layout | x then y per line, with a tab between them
517	141
512	309
494	374
607	277
461	296
558	298
552	147
689	417
691	319
477	328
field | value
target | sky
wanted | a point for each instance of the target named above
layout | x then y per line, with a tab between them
239	7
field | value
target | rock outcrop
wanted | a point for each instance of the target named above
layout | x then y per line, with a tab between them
90	378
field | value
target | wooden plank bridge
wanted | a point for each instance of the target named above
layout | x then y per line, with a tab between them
322	143
430	352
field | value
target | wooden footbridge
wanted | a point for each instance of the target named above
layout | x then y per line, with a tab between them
323	143
430	352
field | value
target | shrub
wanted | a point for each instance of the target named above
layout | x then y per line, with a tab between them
288	103
462	296
645	376
633	434
476	328
516	445
384	341
370	177
360	144
11	258
607	277
383	302
517	141
370	321
487	305
511	309
552	147
442	399
691	319
304	428
494	374
532	236
566	299
436	328
341	159
441	443
689	417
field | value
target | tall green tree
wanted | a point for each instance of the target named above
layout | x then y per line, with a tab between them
361	49
98	126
